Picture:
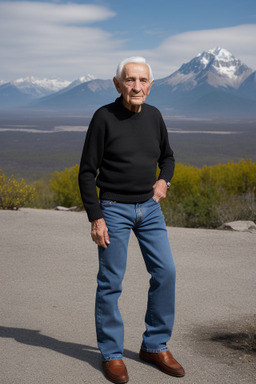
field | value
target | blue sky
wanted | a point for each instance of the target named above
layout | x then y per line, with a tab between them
70	39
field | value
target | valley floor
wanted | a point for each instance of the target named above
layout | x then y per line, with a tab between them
33	146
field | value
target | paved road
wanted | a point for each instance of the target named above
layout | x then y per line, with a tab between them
48	280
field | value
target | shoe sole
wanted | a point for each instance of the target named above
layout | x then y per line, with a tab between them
115	381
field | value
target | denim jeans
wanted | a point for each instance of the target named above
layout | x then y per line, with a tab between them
147	222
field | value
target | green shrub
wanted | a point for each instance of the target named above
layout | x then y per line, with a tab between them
65	187
212	195
14	194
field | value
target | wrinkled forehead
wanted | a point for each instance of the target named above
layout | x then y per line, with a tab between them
135	70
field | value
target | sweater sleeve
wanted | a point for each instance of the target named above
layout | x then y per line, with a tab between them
90	162
166	160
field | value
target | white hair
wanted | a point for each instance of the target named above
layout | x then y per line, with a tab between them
133	59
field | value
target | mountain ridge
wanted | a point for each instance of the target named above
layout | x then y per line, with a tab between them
214	78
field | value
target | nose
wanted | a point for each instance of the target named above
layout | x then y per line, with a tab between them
136	86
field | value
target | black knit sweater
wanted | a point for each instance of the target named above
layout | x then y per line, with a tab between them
120	156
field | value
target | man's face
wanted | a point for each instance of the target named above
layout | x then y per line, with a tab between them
134	85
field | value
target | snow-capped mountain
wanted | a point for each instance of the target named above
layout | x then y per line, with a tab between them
22	91
81	80
48	85
206	84
216	67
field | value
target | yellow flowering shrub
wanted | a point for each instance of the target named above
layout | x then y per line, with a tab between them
14	194
233	178
186	180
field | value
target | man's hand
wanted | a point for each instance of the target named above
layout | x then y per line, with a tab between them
160	189
99	233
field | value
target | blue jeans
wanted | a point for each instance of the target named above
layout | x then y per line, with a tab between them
147	222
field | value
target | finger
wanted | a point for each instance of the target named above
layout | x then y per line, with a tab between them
158	198
103	245
106	238
103	241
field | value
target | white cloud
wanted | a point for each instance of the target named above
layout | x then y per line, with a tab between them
52	39
54	13
55	39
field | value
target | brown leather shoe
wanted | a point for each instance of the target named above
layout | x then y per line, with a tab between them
115	371
165	361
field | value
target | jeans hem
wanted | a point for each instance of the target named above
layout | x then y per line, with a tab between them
112	357
154	350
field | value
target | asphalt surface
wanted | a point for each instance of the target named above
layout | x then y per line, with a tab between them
48	281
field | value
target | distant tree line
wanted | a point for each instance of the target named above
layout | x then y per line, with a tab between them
199	197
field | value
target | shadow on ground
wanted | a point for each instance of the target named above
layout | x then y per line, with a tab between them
81	352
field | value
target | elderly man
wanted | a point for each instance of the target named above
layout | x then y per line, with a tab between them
124	143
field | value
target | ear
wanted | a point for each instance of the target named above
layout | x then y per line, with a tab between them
116	82
150	87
